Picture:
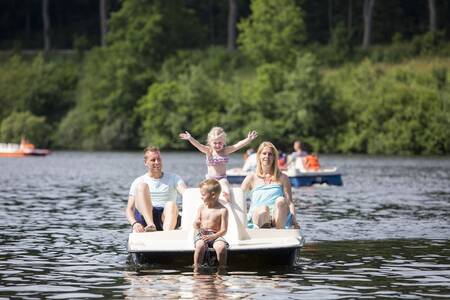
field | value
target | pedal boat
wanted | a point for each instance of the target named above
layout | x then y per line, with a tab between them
247	247
329	176
20	150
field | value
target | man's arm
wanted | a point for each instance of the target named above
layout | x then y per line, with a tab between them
129	211
181	187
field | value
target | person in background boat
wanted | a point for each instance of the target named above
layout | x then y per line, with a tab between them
250	160
152	198
26	144
217	153
312	162
210	224
271	194
296	158
282	160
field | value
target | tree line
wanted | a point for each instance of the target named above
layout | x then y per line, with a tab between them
166	66
47	24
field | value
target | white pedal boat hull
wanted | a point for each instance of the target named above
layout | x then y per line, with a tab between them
247	246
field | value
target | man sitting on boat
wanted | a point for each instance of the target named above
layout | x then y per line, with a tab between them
296	158
271	193
152	198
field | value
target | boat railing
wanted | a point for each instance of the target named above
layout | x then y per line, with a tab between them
9	146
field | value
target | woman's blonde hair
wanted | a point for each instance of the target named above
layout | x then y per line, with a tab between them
274	167
217	133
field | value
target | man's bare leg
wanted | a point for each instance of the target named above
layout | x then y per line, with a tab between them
170	216
144	204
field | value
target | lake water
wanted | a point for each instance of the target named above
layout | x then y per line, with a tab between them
384	234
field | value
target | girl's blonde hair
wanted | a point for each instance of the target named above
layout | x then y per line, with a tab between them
274	167
217	133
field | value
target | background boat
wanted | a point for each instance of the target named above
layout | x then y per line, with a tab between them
329	176
25	148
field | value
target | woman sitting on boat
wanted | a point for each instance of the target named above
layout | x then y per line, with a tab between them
271	194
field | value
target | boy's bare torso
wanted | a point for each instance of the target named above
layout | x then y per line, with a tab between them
211	218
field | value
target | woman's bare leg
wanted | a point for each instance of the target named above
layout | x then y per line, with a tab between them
280	212
261	216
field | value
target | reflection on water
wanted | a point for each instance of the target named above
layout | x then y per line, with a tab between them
384	234
386	269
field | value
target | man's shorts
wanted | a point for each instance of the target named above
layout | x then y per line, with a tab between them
157	218
198	236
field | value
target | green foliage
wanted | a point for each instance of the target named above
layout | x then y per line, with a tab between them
288	103
13	86
142	33
69	134
191	103
214	61
398	111
154	29
25	124
43	88
273	32
428	43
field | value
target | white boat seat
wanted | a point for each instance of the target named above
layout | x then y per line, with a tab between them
237	214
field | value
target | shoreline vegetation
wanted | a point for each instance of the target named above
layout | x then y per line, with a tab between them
391	98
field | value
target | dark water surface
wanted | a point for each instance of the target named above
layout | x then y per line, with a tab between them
384	234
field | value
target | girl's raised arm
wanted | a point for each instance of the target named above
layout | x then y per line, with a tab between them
202	148
250	137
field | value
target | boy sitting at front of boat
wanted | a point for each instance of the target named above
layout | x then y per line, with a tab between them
210	223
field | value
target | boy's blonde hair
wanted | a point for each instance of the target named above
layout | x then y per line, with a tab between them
211	186
217	133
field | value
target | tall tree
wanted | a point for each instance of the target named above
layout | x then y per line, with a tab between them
274	31
432	9
232	19
103	20
46	23
330	18
350	16
367	15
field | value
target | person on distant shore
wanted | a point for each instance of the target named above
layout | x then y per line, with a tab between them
217	154
297	157
152	198
271	194
210	224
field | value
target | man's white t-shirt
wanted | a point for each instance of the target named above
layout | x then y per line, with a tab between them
161	190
